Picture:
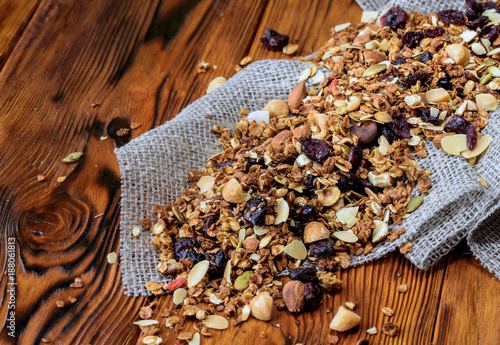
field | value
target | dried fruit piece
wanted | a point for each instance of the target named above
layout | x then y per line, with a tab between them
215	322
481	146
451	17
471	137
322	249
304	274
293	295
315	149
457	124
313	295
255	210
344	320
197	273
262	306
274	40
411	39
399	125
296	249
185	248
179	283
395	17
436	32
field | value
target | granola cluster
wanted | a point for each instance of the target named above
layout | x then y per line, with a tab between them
304	184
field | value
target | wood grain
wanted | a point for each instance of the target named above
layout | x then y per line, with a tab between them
138	61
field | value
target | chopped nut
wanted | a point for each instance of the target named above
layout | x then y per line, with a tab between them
344	320
298	93
458	53
290	49
391	329
350	305
315	231
60	304
293	295
245	61
40	177
387	311
276	108
261	306
402	288
215	83
77	284
112	258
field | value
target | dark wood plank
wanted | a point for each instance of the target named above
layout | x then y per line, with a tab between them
468	309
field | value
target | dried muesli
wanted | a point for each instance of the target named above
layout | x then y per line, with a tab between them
304	184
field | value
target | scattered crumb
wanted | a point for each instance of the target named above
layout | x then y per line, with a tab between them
237	68
95	104
72	299
290	49
332	339
244	111
112	258
60	304
77	284
61	179
210	117
123	132
350	305
402	288
135	125
245	61
40	178
103	138
203	67
406	247
483	182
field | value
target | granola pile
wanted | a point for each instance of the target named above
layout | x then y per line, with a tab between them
303	184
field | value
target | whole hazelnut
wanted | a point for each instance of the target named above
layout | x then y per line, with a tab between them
233	192
261	306
293	295
276	108
315	231
328	196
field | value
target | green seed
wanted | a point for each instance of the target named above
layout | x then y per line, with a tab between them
485	79
414	204
241	283
73	157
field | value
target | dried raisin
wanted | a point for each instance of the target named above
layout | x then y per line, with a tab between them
316	149
395	17
274	40
451	17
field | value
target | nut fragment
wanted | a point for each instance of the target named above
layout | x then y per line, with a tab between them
437	95
233	192
112	258
344	320
391	329
215	322
328	196
458	53
205	183
350	305
282	212
346	236
276	108
299	92
381	180
387	311
293	295
315	231
402	288
366	131
302	132
486	101
375	69
380	231
197	273
215	83
262	306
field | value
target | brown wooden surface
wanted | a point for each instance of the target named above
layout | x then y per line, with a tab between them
138	60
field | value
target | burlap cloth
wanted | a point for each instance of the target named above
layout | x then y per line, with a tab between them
154	170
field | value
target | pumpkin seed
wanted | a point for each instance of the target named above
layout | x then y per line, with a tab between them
485	79
414	203
241	283
197	273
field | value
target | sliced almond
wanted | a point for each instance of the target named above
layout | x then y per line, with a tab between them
481	146
380	231
454	144
346	236
345	214
478	49
302	160
205	183
215	83
282	211
245	313
195	340
384	145
197	273
368	16
375	69
216	322
145	323
341	27
296	249
179	296
259	230
486	101
227	271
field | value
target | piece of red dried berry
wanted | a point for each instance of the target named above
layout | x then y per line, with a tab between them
425	114
316	149
399	125
479	22
471	137
274	40
412	39
313	295
451	17
395	17
457	124
472	9
488	6
436	32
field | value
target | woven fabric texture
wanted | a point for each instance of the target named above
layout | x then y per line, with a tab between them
154	170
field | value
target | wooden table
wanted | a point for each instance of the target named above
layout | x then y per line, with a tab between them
138	60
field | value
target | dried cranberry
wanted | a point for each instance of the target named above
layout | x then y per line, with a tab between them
445	82
254	161
322	248
472	9
488	6
493	34
290	159
471	136
411	39
225	164
217	263
255	210
304	274
457	124
395	17
399	60
425	114
316	149
208	223
479	22
344	183
313	295
308	212
359	186
413	78
426	56
355	157
433	33
274	40
389	133
460	94
399	125
184	248
451	17
300	219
